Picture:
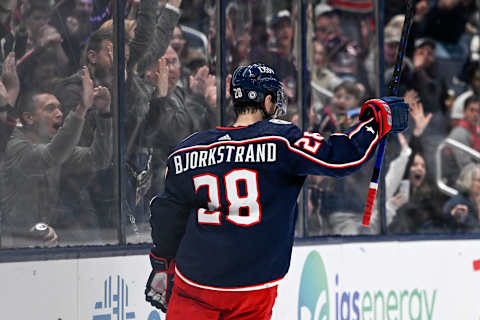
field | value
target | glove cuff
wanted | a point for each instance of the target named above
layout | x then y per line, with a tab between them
382	105
160	264
381	112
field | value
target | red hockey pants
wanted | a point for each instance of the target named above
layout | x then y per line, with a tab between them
192	303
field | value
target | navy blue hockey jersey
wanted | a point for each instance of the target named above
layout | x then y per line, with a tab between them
230	203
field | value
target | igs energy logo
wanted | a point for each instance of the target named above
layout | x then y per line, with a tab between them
351	304
313	298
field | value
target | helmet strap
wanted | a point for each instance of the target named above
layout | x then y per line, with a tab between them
269	115
266	115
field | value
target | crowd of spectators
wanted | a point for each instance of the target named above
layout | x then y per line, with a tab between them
57	160
439	79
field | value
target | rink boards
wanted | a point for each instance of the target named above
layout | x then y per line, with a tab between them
380	280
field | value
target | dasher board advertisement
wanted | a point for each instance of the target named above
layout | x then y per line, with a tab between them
388	280
384	280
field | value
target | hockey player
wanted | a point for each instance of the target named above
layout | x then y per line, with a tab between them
224	226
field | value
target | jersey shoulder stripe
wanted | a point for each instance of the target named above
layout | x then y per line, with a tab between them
289	147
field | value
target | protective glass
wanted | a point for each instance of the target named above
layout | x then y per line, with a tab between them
282	103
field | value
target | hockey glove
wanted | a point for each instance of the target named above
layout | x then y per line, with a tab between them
160	282
390	113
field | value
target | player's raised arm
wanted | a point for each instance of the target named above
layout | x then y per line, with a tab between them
225	224
344	153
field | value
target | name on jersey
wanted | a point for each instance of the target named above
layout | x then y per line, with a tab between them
261	152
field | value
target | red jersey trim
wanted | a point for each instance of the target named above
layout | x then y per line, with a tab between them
249	288
294	149
352	5
360	126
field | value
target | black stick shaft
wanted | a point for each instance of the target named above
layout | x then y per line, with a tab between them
393	91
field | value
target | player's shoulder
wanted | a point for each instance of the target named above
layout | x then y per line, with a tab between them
199	137
188	141
280	121
269	127
278	127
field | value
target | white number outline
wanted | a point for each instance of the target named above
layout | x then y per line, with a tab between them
210	216
308	138
237	93
235	201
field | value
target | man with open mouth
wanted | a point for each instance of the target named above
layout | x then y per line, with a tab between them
41	152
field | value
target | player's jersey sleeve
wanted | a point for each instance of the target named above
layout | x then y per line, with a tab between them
169	214
339	155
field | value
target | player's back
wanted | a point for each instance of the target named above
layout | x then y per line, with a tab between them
237	188
243	200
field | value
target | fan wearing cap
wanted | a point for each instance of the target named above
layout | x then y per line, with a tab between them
282	27
426	80
354	13
280	56
326	22
342	53
223	229
431	89
472	75
391	44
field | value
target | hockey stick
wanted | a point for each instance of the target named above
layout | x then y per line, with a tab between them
393	91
